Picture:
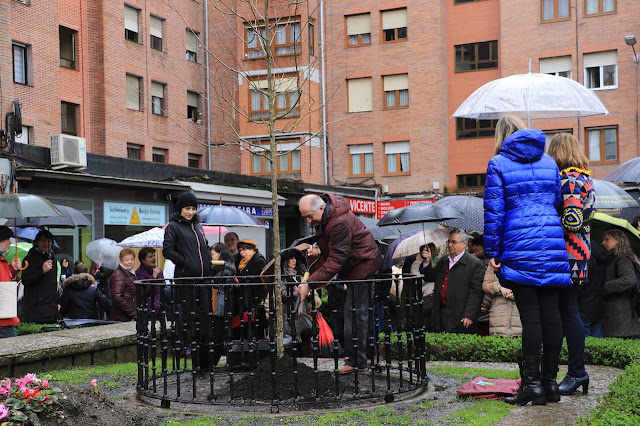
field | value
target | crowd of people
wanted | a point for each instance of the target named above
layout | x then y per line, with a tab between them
533	272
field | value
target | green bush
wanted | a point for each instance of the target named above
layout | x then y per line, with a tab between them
31	328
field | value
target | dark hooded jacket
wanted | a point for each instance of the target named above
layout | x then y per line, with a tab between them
80	296
123	295
345	243
591	293
41	297
186	246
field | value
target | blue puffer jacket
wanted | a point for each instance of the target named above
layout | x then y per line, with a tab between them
521	225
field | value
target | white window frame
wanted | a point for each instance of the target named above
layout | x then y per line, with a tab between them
600	63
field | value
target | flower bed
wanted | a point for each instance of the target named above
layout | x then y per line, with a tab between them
27	395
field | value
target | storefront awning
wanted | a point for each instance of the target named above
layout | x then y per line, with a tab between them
231	195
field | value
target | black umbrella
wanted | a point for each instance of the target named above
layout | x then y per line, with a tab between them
70	218
419	213
611	196
626	172
379	233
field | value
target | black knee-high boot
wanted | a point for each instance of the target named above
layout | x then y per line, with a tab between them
531	386
549	374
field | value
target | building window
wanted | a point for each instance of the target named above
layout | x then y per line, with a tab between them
134	151
191	44
468	128
255	45
601	70
156	26
599	7
68	47
473	181
25	136
396	91
69	118
465	1
260	164
359	30
398	160
603	144
394	25
287	102
287	40
159	155
361	160
131	23
312	38
192	106
476	56
554	10
560	66
193	160
549	134
133	92
20	63
287	160
360	94
157	98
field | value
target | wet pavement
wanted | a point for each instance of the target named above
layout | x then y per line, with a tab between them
567	411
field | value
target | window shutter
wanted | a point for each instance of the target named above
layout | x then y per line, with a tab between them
559	64
396	82
396	147
157	90
600	59
155	26
192	41
360	94
359	24
131	19
133	92
394	19
192	99
361	149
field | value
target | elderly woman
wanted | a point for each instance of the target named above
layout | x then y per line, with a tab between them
250	265
524	240
150	270
123	289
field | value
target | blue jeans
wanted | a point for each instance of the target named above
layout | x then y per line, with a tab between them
7	331
593	329
573	330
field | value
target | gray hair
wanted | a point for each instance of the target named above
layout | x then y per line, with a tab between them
315	201
463	236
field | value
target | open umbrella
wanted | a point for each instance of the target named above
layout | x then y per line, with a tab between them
226	215
531	96
22	248
471	209
602	221
626	172
389	259
378	232
153	237
70	218
104	252
611	196
419	213
29	235
412	244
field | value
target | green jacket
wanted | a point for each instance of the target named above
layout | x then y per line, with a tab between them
464	294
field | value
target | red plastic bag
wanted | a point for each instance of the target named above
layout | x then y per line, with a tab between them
481	387
325	338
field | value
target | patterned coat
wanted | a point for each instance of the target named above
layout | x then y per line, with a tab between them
578	195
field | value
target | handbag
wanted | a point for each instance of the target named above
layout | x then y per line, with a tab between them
8	300
304	325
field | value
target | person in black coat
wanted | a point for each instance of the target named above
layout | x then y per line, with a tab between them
40	280
591	293
80	296
223	271
249	268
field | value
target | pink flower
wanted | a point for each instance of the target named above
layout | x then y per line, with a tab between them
5	387
3	411
45	383
94	383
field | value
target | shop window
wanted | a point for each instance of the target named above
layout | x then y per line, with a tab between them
602	144
156	27
396	91
471	181
194	160
554	10
394	25
131	23
361	160
69	118
601	70
134	151
398	158
68	47
476	56
359	30
133	92
360	94
469	128
560	66
159	155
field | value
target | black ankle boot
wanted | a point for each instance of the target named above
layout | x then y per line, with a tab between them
569	384
549	374
530	387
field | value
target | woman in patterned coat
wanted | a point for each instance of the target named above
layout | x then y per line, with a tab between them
578	196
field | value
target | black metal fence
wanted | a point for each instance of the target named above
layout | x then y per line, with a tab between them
184	327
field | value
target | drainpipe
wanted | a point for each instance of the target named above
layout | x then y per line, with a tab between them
206	80
324	97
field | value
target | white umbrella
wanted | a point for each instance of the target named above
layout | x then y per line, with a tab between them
105	252
531	96
153	237
412	244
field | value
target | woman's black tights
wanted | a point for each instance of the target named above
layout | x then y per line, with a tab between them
540	317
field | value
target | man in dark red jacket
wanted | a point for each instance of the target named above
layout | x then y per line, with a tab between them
351	253
8	272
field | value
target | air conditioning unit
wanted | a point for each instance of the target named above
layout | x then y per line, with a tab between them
68	152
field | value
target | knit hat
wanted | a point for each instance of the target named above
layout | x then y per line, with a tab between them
5	233
186	199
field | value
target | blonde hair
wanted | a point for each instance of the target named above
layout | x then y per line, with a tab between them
505	127
567	151
127	251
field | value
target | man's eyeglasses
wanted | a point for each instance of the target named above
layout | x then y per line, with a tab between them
453	242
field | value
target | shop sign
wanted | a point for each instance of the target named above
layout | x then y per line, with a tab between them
257	211
362	206
134	214
385	207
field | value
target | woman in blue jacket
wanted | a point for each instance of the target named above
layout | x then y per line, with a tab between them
525	242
